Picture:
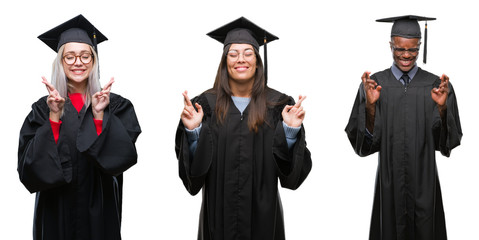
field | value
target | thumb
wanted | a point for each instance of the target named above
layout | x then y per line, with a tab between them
287	108
200	109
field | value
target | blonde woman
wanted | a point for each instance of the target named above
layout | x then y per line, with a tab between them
76	142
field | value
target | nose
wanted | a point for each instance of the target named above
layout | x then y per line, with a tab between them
408	54
78	61
240	57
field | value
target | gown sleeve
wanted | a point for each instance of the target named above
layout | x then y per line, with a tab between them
41	164
362	142
193	169
114	149
447	131
293	165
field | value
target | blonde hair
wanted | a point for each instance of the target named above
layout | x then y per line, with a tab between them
60	81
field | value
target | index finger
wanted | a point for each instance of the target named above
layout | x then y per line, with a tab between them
108	85
49	86
444	78
300	100
186	99
365	76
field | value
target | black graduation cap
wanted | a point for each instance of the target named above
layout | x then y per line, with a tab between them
408	27
243	30
77	29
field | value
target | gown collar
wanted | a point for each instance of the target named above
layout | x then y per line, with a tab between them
398	73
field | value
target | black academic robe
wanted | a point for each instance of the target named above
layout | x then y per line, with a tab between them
238	171
78	182
407	131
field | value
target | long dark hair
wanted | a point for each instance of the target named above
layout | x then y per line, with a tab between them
257	105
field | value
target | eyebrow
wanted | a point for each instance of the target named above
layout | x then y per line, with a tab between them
81	52
405	48
236	50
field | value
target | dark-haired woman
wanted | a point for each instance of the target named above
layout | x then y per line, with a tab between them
236	140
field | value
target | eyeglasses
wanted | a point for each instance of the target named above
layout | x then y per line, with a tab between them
85	58
248	54
401	51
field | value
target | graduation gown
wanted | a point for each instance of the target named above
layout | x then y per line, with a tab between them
78	182
407	131
238	171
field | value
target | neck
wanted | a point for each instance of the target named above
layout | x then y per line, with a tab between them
241	89
75	87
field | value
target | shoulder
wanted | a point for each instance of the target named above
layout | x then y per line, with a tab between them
40	111
276	102
427	78
208	97
382	74
117	99
426	73
41	105
119	102
274	96
207	100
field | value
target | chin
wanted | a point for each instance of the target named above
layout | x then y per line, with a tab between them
406	69
242	79
77	79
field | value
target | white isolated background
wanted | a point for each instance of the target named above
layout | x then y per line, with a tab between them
158	49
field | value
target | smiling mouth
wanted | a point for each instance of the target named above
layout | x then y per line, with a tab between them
242	68
405	62
78	71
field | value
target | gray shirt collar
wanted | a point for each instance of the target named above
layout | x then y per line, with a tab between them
398	73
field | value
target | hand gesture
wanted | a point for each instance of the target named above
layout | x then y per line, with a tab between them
55	101
293	116
190	117
439	94
371	89
100	100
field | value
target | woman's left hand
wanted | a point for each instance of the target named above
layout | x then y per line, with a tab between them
100	100
293	116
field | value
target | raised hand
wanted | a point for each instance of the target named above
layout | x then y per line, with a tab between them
189	116
293	116
100	100
439	94
371	89
54	100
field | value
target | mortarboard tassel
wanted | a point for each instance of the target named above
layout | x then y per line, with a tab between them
265	62
425	44
94	41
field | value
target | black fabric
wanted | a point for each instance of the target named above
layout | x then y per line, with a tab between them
77	29
242	30
78	182
238	171
406	26
407	131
